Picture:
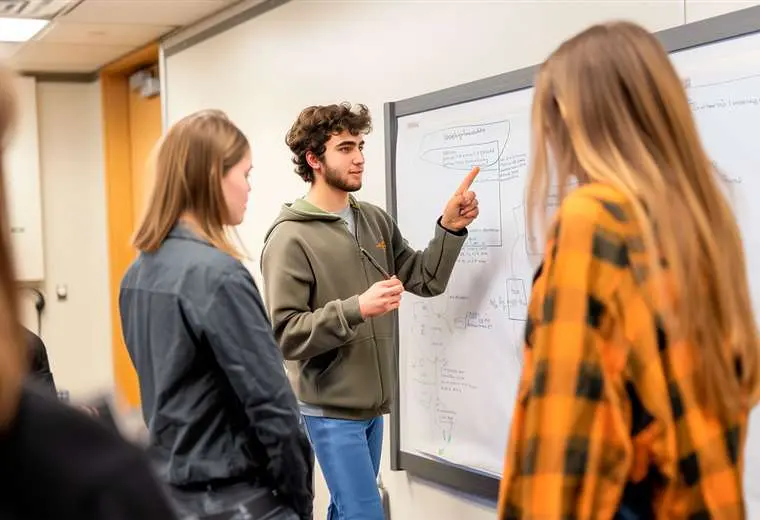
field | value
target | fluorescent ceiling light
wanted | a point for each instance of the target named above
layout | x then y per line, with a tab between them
20	29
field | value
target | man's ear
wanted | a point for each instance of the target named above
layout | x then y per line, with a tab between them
313	161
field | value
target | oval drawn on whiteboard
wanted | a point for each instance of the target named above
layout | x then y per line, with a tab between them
465	146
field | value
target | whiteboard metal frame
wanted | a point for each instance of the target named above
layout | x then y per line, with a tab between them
684	37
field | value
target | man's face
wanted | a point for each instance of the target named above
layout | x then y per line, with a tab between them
343	164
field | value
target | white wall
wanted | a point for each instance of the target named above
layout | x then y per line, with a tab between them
77	331
263	72
22	178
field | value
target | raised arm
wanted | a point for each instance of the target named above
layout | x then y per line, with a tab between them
426	273
569	451
241	337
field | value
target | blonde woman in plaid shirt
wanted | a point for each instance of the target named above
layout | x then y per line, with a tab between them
641	351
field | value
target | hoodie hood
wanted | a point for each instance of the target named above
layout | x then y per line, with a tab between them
302	210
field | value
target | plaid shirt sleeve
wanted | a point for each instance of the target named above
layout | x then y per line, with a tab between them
569	450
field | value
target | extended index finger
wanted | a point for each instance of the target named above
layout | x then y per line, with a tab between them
467	182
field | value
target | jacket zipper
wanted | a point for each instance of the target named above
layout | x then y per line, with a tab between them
375	263
364	252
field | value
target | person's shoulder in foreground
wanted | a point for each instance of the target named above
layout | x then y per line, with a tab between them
59	463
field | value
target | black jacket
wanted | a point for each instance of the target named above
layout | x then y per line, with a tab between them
56	462
39	369
214	393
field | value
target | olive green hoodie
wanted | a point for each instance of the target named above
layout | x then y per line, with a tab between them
314	271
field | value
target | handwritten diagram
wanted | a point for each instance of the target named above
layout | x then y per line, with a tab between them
461	352
457	149
462	147
432	370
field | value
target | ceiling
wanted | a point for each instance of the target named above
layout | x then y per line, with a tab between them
84	35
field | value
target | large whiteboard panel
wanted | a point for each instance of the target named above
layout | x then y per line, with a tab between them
462	355
459	353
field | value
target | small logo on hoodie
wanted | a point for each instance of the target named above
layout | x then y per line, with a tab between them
381	245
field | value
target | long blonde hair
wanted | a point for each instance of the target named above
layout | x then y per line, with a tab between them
13	353
190	162
609	107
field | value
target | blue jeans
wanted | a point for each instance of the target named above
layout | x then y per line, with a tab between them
348	453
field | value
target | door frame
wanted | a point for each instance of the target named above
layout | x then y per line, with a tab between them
120	211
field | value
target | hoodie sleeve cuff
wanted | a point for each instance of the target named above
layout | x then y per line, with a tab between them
352	312
461	233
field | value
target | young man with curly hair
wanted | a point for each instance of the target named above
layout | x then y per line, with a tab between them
334	268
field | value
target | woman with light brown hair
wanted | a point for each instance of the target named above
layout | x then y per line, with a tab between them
641	350
224	424
56	462
13	358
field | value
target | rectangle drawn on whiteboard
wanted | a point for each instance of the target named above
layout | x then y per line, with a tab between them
486	230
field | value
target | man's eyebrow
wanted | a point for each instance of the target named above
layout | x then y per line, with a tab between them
350	142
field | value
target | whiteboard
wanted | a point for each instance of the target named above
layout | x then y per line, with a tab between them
459	354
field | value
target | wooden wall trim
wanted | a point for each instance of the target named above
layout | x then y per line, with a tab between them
114	80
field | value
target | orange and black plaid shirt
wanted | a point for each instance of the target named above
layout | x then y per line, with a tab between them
607	422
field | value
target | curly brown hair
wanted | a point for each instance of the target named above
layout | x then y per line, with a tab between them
316	125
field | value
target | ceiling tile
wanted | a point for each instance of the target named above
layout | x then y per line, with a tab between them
40	8
103	34
158	12
41	56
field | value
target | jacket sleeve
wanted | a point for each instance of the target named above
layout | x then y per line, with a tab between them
63	461
39	371
241	337
426	273
301	332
